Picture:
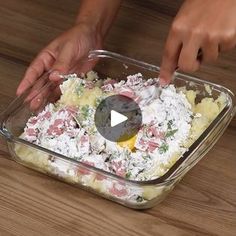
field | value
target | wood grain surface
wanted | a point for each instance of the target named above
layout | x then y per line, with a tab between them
31	204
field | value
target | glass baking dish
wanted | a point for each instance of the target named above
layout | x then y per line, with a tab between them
133	194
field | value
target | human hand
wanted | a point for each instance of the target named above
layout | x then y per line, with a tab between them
62	56
205	26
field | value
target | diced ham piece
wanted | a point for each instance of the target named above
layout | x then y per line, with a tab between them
107	88
100	177
127	92
134	80
31	132
70	122
84	170
149	138
47	115
118	190
141	144
153	131
118	168
71	110
152	146
89	84
33	120
84	140
72	132
57	128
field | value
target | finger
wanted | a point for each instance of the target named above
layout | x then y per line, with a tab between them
170	59
188	59
40	90
36	88
41	63
210	52
227	44
84	66
55	95
64	62
49	93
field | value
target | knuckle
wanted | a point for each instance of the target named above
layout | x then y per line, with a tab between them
197	32
46	52
229	36
218	36
215	36
178	27
212	37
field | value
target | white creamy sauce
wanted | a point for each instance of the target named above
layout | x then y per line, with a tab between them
167	120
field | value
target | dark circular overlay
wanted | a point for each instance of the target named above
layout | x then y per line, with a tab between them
124	130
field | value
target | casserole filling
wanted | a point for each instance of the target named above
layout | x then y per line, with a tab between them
171	121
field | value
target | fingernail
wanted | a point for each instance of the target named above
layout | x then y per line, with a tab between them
18	92
163	82
55	75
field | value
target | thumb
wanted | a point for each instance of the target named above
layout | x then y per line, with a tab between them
64	62
169	60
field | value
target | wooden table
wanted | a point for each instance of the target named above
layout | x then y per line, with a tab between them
204	203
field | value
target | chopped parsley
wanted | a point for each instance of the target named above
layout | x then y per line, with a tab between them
85	111
98	100
170	133
80	89
128	174
146	157
169	124
139	199
163	148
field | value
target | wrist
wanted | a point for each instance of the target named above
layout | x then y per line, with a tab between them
90	29
98	14
92	24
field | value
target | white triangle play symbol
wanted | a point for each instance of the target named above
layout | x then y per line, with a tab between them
117	118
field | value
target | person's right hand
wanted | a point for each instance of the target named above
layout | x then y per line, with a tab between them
201	27
63	55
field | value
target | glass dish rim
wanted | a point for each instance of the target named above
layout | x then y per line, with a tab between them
170	175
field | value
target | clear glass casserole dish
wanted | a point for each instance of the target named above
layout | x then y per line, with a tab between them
133	194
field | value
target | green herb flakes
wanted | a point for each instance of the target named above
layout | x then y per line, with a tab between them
163	148
128	174
85	111
170	133
80	89
139	199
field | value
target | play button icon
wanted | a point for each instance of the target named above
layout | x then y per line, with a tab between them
118	118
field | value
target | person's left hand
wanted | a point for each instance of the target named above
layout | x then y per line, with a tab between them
62	56
207	26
